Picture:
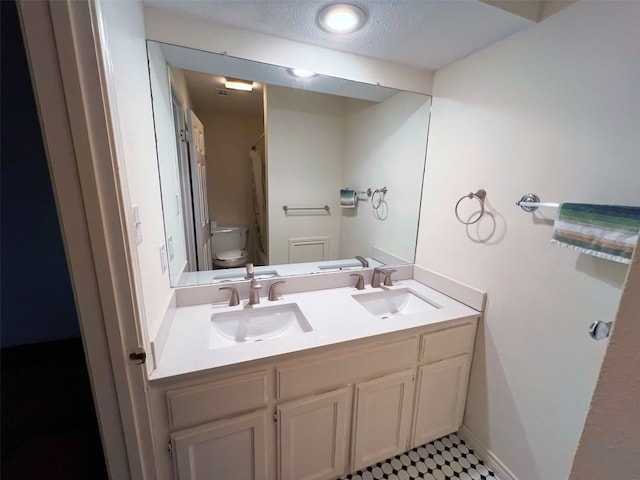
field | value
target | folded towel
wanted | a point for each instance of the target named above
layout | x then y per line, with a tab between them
606	231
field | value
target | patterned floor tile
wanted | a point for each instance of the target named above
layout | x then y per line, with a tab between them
447	458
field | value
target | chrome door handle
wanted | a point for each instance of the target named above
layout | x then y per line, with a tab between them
599	330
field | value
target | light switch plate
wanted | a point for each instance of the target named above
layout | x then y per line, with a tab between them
170	247
163	258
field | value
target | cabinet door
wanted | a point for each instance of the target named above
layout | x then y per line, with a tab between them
440	399
234	449
312	436
382	418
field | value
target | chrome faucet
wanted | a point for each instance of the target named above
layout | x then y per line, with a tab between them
377	273
254	292
249	268
363	261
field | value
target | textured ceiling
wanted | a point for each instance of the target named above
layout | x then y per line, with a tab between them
427	34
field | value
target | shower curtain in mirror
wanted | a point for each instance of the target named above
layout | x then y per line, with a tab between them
258	193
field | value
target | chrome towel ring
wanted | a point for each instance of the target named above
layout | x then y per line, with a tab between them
480	196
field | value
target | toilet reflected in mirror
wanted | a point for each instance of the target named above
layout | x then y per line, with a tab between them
228	246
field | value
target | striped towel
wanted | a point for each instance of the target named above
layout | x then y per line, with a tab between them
606	231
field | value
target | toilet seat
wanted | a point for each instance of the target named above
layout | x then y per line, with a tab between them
228	246
231	258
230	255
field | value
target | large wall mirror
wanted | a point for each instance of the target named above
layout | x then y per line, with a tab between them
295	175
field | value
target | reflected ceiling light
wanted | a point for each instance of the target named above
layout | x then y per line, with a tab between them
341	18
301	72
239	85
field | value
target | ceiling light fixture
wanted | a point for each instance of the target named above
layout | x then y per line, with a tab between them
341	18
301	72
239	85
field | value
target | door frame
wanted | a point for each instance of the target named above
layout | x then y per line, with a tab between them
199	195
67	63
184	171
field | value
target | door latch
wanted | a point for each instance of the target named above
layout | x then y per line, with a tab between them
138	355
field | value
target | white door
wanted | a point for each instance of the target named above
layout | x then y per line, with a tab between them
234	449
312	436
382	418
182	143
198	157
81	148
441	394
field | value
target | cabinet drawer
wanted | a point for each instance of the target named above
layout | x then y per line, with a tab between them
210	401
447	343
299	379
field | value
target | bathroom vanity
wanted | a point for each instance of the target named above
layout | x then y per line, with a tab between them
334	380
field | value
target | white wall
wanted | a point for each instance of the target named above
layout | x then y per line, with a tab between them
136	152
167	151
228	139
385	145
610	442
305	139
554	110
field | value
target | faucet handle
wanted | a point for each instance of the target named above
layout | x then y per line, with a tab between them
273	296
234	300
363	261
387	277
360	283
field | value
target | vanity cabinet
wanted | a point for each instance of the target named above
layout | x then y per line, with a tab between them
315	416
233	449
443	375
440	398
313	436
382	418
222	428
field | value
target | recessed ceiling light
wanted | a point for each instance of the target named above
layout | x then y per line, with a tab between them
239	85
341	18
301	73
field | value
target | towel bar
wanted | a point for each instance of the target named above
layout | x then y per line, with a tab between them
530	203
325	208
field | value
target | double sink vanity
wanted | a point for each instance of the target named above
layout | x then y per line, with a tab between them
319	380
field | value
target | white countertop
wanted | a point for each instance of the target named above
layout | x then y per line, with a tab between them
334	316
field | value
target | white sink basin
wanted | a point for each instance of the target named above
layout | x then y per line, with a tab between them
256	324
395	303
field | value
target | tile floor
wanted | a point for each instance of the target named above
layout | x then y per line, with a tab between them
447	458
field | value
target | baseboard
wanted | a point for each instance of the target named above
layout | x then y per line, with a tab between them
489	458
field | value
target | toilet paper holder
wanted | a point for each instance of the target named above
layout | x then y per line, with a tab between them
349	198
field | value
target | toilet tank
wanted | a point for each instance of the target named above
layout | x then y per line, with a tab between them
228	238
